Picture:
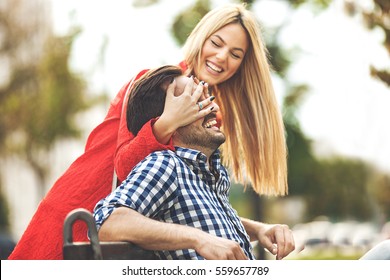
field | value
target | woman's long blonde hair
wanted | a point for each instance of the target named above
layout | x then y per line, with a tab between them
255	146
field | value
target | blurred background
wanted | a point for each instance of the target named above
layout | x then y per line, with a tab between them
61	62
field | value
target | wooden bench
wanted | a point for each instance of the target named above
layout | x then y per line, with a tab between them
96	250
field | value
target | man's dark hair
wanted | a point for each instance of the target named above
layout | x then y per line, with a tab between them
147	97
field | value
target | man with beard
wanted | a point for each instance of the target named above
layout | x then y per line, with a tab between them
176	203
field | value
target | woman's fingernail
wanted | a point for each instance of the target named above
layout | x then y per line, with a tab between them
212	98
211	108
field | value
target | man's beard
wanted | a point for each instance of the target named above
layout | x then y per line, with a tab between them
199	140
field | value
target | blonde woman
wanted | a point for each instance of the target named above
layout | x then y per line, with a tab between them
226	51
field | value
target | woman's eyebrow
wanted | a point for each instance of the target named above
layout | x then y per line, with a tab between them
223	41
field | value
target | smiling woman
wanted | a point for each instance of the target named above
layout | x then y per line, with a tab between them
251	118
222	54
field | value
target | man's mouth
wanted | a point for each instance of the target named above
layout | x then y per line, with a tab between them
214	67
210	123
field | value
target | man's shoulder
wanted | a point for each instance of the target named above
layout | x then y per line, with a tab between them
162	154
164	157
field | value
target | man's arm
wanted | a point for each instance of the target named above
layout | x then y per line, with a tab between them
125	224
278	239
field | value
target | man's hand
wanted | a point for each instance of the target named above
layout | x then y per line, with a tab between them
181	108
217	248
278	239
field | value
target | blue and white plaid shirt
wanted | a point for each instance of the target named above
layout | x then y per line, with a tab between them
178	187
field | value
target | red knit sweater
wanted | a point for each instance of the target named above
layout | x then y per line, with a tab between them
86	181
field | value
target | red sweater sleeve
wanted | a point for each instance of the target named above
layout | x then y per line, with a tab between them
136	149
131	150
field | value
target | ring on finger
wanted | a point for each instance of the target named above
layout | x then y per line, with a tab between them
200	105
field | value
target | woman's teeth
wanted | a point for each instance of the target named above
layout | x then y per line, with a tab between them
214	67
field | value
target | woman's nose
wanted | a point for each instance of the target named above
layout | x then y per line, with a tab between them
222	54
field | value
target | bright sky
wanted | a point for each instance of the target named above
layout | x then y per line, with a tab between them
346	112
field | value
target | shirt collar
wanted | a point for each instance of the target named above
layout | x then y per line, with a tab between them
195	155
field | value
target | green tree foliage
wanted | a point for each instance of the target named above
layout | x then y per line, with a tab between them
301	159
339	190
4	221
316	4
379	188
186	21
41	95
375	16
